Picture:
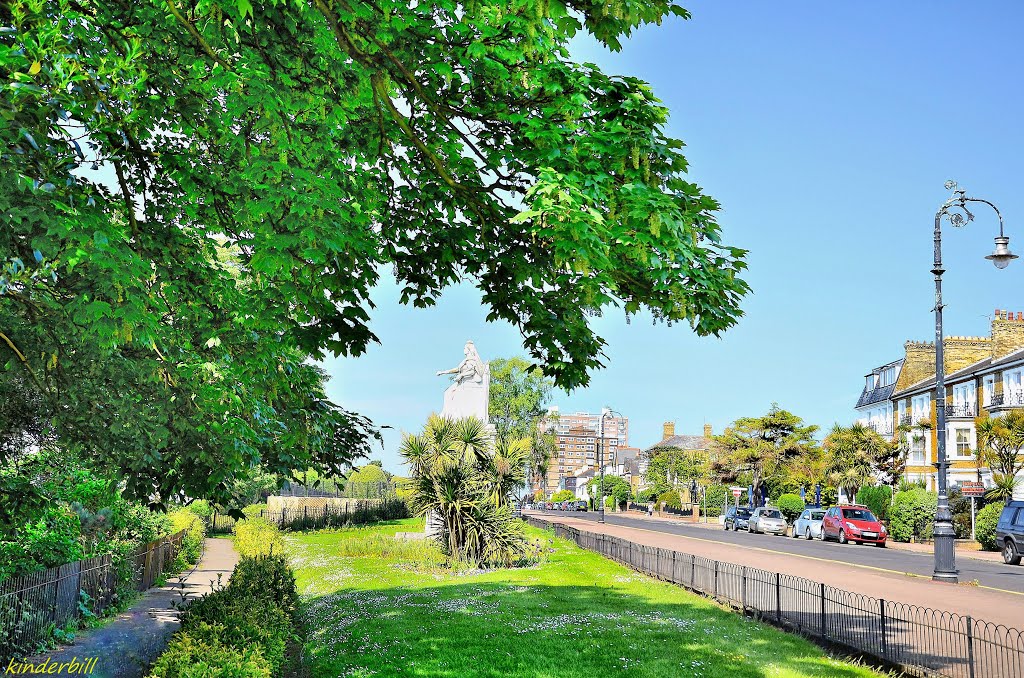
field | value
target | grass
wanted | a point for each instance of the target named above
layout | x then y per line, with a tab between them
573	615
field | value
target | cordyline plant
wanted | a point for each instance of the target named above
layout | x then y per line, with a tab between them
1000	446
457	478
197	198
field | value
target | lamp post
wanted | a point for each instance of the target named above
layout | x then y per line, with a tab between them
955	211
605	414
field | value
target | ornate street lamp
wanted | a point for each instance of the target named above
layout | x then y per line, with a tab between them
956	212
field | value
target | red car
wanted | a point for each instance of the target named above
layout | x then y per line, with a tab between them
850	522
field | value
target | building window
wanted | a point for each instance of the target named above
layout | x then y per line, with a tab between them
917	447
963	442
920	408
988	389
870	382
1012	386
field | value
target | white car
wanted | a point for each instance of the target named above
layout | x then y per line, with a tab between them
768	520
808	525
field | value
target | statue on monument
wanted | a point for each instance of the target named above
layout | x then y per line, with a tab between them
469	392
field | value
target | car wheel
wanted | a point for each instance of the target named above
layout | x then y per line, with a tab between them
842	537
795	533
807	533
726	527
1010	555
821	534
858	543
880	544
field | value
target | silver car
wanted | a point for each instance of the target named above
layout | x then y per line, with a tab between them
767	520
808	525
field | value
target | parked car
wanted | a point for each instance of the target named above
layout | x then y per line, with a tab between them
1010	532
736	517
808	525
767	520
547	505
569	505
851	522
581	505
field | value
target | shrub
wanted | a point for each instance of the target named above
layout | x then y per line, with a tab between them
646	495
985	526
716	496
912	514
878	499
242	630
671	499
563	495
189	657
192	541
201	508
791	506
257	537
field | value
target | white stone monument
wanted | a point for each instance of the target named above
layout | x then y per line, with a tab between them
469	394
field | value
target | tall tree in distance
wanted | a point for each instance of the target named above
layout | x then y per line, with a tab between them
761	446
854	456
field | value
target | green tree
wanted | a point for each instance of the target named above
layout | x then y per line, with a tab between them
614	487
791	506
878	499
912	514
762	447
518	397
563	495
853	455
672	469
1000	441
262	163
457	477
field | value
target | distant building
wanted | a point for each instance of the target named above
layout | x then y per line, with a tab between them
577	444
670	441
982	374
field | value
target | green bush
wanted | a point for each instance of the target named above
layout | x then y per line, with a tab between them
646	495
201	508
878	499
985	526
257	537
192	541
563	495
717	496
189	657
242	630
791	506
670	499
912	514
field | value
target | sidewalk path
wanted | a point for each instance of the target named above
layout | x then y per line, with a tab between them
998	607
129	644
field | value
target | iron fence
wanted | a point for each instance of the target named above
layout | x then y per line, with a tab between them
356	512
917	639
331	489
33	605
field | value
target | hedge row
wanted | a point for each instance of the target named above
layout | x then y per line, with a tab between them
243	630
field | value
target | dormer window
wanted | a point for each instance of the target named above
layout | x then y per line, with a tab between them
870	382
887	377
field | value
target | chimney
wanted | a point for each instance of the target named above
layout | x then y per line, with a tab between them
1007	333
918	363
668	429
707	431
959	352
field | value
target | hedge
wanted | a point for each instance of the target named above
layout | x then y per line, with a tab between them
255	536
985	526
243	630
791	506
912	514
192	543
670	499
878	499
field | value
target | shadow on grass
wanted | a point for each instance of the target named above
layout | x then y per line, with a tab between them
489	629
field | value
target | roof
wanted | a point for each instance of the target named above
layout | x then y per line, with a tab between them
963	372
681	443
881	394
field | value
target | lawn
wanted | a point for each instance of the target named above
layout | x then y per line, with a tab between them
575	614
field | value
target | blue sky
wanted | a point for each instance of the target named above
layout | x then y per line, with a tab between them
826	130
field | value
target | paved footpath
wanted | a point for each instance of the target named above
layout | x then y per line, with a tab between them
129	644
998	607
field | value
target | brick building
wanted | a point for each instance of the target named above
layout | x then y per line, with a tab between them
576	440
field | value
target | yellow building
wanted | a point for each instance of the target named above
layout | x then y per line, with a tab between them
982	374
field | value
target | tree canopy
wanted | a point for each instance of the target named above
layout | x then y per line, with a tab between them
198	198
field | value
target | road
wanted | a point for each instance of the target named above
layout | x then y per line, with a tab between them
992	575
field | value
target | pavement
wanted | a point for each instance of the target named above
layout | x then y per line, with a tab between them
889	574
128	645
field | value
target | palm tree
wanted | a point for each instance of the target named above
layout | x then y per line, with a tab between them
458	478
854	453
1000	440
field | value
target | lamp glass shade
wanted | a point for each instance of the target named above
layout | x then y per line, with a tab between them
1002	255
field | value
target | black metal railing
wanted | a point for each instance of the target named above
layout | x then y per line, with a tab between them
881	428
350	490
1007	399
961	411
915	638
350	513
906	420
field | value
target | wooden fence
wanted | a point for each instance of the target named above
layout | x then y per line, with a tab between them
32	606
